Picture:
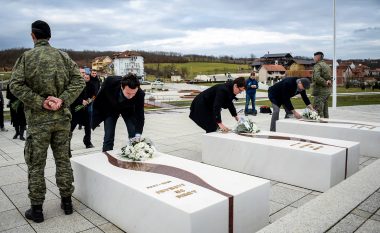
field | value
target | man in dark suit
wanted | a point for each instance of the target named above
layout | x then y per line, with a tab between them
206	107
119	96
280	93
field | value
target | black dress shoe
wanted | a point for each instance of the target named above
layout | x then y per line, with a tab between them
89	146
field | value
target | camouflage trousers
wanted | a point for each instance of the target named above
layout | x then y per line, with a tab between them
321	105
39	137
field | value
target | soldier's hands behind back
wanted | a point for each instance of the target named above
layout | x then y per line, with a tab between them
52	103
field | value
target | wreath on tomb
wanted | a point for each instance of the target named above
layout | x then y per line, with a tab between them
310	114
138	149
246	126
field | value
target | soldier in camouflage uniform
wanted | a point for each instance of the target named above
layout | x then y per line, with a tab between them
321	85
47	81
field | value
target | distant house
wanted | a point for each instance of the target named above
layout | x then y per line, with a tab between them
300	68
256	65
128	62
277	59
176	78
101	63
271	74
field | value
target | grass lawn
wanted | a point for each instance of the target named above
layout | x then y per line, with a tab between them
195	68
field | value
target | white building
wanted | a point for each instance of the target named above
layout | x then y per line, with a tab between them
270	74
128	62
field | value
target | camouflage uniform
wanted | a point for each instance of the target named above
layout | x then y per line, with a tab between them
321	91
41	72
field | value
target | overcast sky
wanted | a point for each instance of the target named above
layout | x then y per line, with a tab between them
210	27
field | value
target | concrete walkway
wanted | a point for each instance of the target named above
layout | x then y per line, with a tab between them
173	133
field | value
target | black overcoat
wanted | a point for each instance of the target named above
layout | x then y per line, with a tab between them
206	107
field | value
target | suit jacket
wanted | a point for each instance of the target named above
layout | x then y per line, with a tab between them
107	103
206	107
281	92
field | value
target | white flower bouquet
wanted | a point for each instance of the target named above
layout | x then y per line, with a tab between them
310	114
138	150
246	126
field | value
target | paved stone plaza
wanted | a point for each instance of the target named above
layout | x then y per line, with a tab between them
175	134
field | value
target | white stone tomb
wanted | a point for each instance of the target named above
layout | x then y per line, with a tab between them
367	133
170	194
309	162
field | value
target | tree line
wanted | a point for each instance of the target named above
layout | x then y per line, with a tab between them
8	57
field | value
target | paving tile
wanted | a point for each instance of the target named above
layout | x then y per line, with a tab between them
110	228
22	199
370	226
11	219
63	224
12	174
285	195
92	230
376	217
349	224
363	159
372	204
361	213
275	207
294	187
16	188
281	214
21	229
303	200
5	203
92	216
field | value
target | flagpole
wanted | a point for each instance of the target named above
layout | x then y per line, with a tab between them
334	99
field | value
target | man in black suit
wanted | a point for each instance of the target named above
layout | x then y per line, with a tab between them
206	107
119	96
280	93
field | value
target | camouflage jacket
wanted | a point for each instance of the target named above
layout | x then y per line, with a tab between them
41	72
321	73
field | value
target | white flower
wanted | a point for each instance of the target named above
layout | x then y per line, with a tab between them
310	114
246	126
138	151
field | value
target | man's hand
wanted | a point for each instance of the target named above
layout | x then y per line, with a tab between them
297	115
237	118
311	107
52	103
253	86
328	83
223	128
84	102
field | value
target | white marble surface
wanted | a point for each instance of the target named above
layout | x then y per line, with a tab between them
368	135
141	202
309	165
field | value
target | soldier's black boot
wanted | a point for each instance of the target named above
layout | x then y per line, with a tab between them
67	205
22	129
17	128
35	213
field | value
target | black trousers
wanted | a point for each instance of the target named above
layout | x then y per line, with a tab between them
1	116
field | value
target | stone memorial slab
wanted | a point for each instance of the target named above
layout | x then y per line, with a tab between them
367	133
170	194
309	162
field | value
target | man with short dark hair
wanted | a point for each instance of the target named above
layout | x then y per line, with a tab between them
250	94
205	110
119	96
47	81
321	85
281	93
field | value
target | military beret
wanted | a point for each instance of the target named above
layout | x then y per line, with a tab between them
318	53
41	29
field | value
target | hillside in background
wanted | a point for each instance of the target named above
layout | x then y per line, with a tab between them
8	57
